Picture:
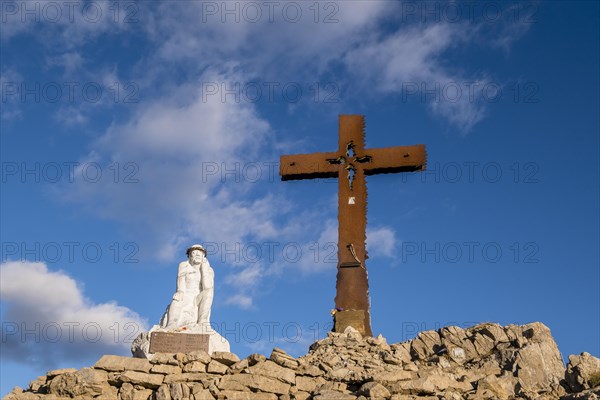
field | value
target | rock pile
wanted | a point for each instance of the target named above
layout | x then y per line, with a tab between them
486	361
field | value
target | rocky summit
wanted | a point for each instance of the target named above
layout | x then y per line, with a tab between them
487	361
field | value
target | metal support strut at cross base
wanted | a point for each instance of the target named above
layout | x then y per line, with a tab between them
350	164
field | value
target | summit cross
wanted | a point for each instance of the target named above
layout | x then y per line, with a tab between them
350	164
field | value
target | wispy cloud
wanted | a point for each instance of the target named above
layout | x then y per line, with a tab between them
366	46
10	82
381	241
67	24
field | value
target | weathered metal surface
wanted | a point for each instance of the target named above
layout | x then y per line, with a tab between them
344	319
307	166
173	342
350	164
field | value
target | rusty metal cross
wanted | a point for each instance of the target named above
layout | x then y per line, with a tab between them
350	164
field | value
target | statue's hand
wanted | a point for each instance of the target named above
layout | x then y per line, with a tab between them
205	264
178	296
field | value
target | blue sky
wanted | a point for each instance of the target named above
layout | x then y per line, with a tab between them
131	130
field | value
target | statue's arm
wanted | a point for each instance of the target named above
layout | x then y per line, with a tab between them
180	288
208	276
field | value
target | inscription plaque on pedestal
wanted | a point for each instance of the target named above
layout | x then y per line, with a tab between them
172	342
353	318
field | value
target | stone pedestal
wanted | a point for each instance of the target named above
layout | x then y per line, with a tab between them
181	340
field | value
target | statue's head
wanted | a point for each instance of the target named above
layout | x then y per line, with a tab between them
195	247
196	254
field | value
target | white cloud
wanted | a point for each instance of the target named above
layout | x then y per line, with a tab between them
186	32
11	83
364	46
70	62
381	241
321	255
240	300
69	24
48	318
170	145
370	54
248	277
409	62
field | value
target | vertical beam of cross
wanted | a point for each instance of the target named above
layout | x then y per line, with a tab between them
350	164
352	285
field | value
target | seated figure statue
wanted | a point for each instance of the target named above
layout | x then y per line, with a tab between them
189	310
194	293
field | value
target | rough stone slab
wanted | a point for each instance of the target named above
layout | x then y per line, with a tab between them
240	366
142	394
495	332
179	391
333	395
339	374
225	357
173	342
199	355
302	395
256	382
55	372
67	385
35	386
234	395
333	386
164	358
126	391
411	397
187	377
142	379
484	345
539	366
203	394
308	384
215	367
536	332
430	384
120	363
450	341
393	376
310	370
389	358
283	359
166	369
426	345
95	379
194	366
105	396
255	358
580	370
402	351
163	393
501	388
23	396
415	386
233	385
272	370
374	390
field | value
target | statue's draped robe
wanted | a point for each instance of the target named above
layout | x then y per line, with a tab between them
197	295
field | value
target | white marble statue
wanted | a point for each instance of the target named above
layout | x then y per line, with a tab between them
189	311
194	292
